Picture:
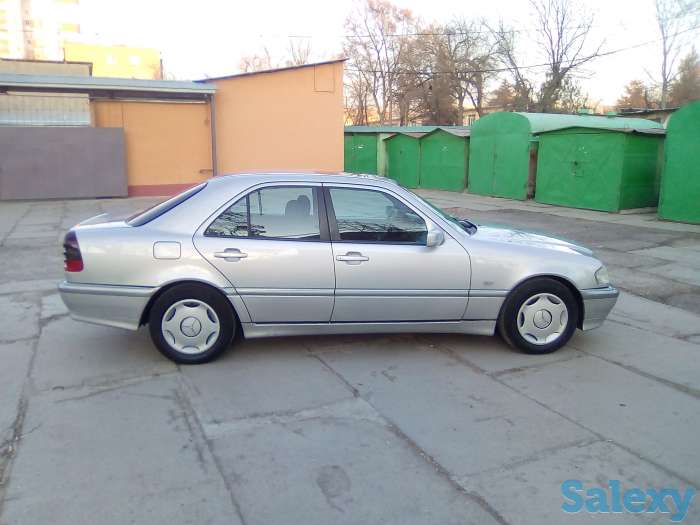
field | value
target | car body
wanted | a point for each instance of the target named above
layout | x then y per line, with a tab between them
333	253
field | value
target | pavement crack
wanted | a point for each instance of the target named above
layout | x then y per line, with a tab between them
694	392
355	392
197	431
8	449
436	465
598	435
100	391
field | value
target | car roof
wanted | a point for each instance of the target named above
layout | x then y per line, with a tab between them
339	177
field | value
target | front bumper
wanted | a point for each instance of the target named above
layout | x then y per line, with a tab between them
597	304
119	306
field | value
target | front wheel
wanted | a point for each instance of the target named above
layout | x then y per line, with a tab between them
191	323
539	316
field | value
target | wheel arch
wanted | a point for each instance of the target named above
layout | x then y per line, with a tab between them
164	288
559	278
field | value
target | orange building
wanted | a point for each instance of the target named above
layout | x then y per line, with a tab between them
177	134
281	119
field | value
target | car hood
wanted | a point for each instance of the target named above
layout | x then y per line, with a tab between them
523	238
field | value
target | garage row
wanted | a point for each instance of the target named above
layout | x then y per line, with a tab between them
605	163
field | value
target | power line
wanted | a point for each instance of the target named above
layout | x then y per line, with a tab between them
475	32
531	66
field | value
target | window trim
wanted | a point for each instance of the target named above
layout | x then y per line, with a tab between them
317	195
333	223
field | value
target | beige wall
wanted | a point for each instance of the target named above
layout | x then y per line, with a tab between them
167	144
36	67
117	61
282	120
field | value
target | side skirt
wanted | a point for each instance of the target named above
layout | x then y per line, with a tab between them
481	327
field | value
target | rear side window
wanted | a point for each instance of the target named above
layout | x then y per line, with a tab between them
149	214
288	212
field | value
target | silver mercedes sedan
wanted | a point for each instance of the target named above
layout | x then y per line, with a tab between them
289	254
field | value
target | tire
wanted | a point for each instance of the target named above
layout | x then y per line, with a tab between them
539	316
191	323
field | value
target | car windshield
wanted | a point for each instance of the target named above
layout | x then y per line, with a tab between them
155	211
464	224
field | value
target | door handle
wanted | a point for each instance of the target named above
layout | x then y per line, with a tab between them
352	258
231	255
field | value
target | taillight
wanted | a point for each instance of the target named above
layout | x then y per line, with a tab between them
73	261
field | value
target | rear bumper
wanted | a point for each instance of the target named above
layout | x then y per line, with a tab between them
119	306
597	304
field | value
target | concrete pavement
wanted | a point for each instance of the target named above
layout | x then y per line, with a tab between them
97	427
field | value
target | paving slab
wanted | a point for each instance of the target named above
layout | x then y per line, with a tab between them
72	354
33	285
340	465
260	377
676	253
627	259
655	421
465	420
653	316
690	243
689	301
52	306
20	317
40	217
652	286
492	354
14	367
657	355
30	260
679	272
531	492
126	455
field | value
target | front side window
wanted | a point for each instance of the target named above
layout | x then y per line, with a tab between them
374	216
288	212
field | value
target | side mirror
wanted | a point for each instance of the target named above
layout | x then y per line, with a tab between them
435	237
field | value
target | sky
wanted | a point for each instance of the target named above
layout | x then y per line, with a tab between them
199	38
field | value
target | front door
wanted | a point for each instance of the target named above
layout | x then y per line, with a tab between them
383	269
272	245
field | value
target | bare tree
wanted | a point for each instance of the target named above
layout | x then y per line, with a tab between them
686	86
470	58
256	62
673	18
357	101
520	83
377	37
562	29
299	51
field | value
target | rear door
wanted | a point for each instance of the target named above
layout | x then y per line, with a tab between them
273	245
384	270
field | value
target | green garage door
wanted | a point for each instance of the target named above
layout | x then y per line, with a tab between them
443	161
680	182
403	159
366	153
580	170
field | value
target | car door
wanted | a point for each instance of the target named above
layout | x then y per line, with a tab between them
383	269
273	245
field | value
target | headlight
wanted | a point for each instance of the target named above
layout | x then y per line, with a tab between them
601	277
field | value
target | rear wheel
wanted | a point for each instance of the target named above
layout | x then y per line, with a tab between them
191	323
539	316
